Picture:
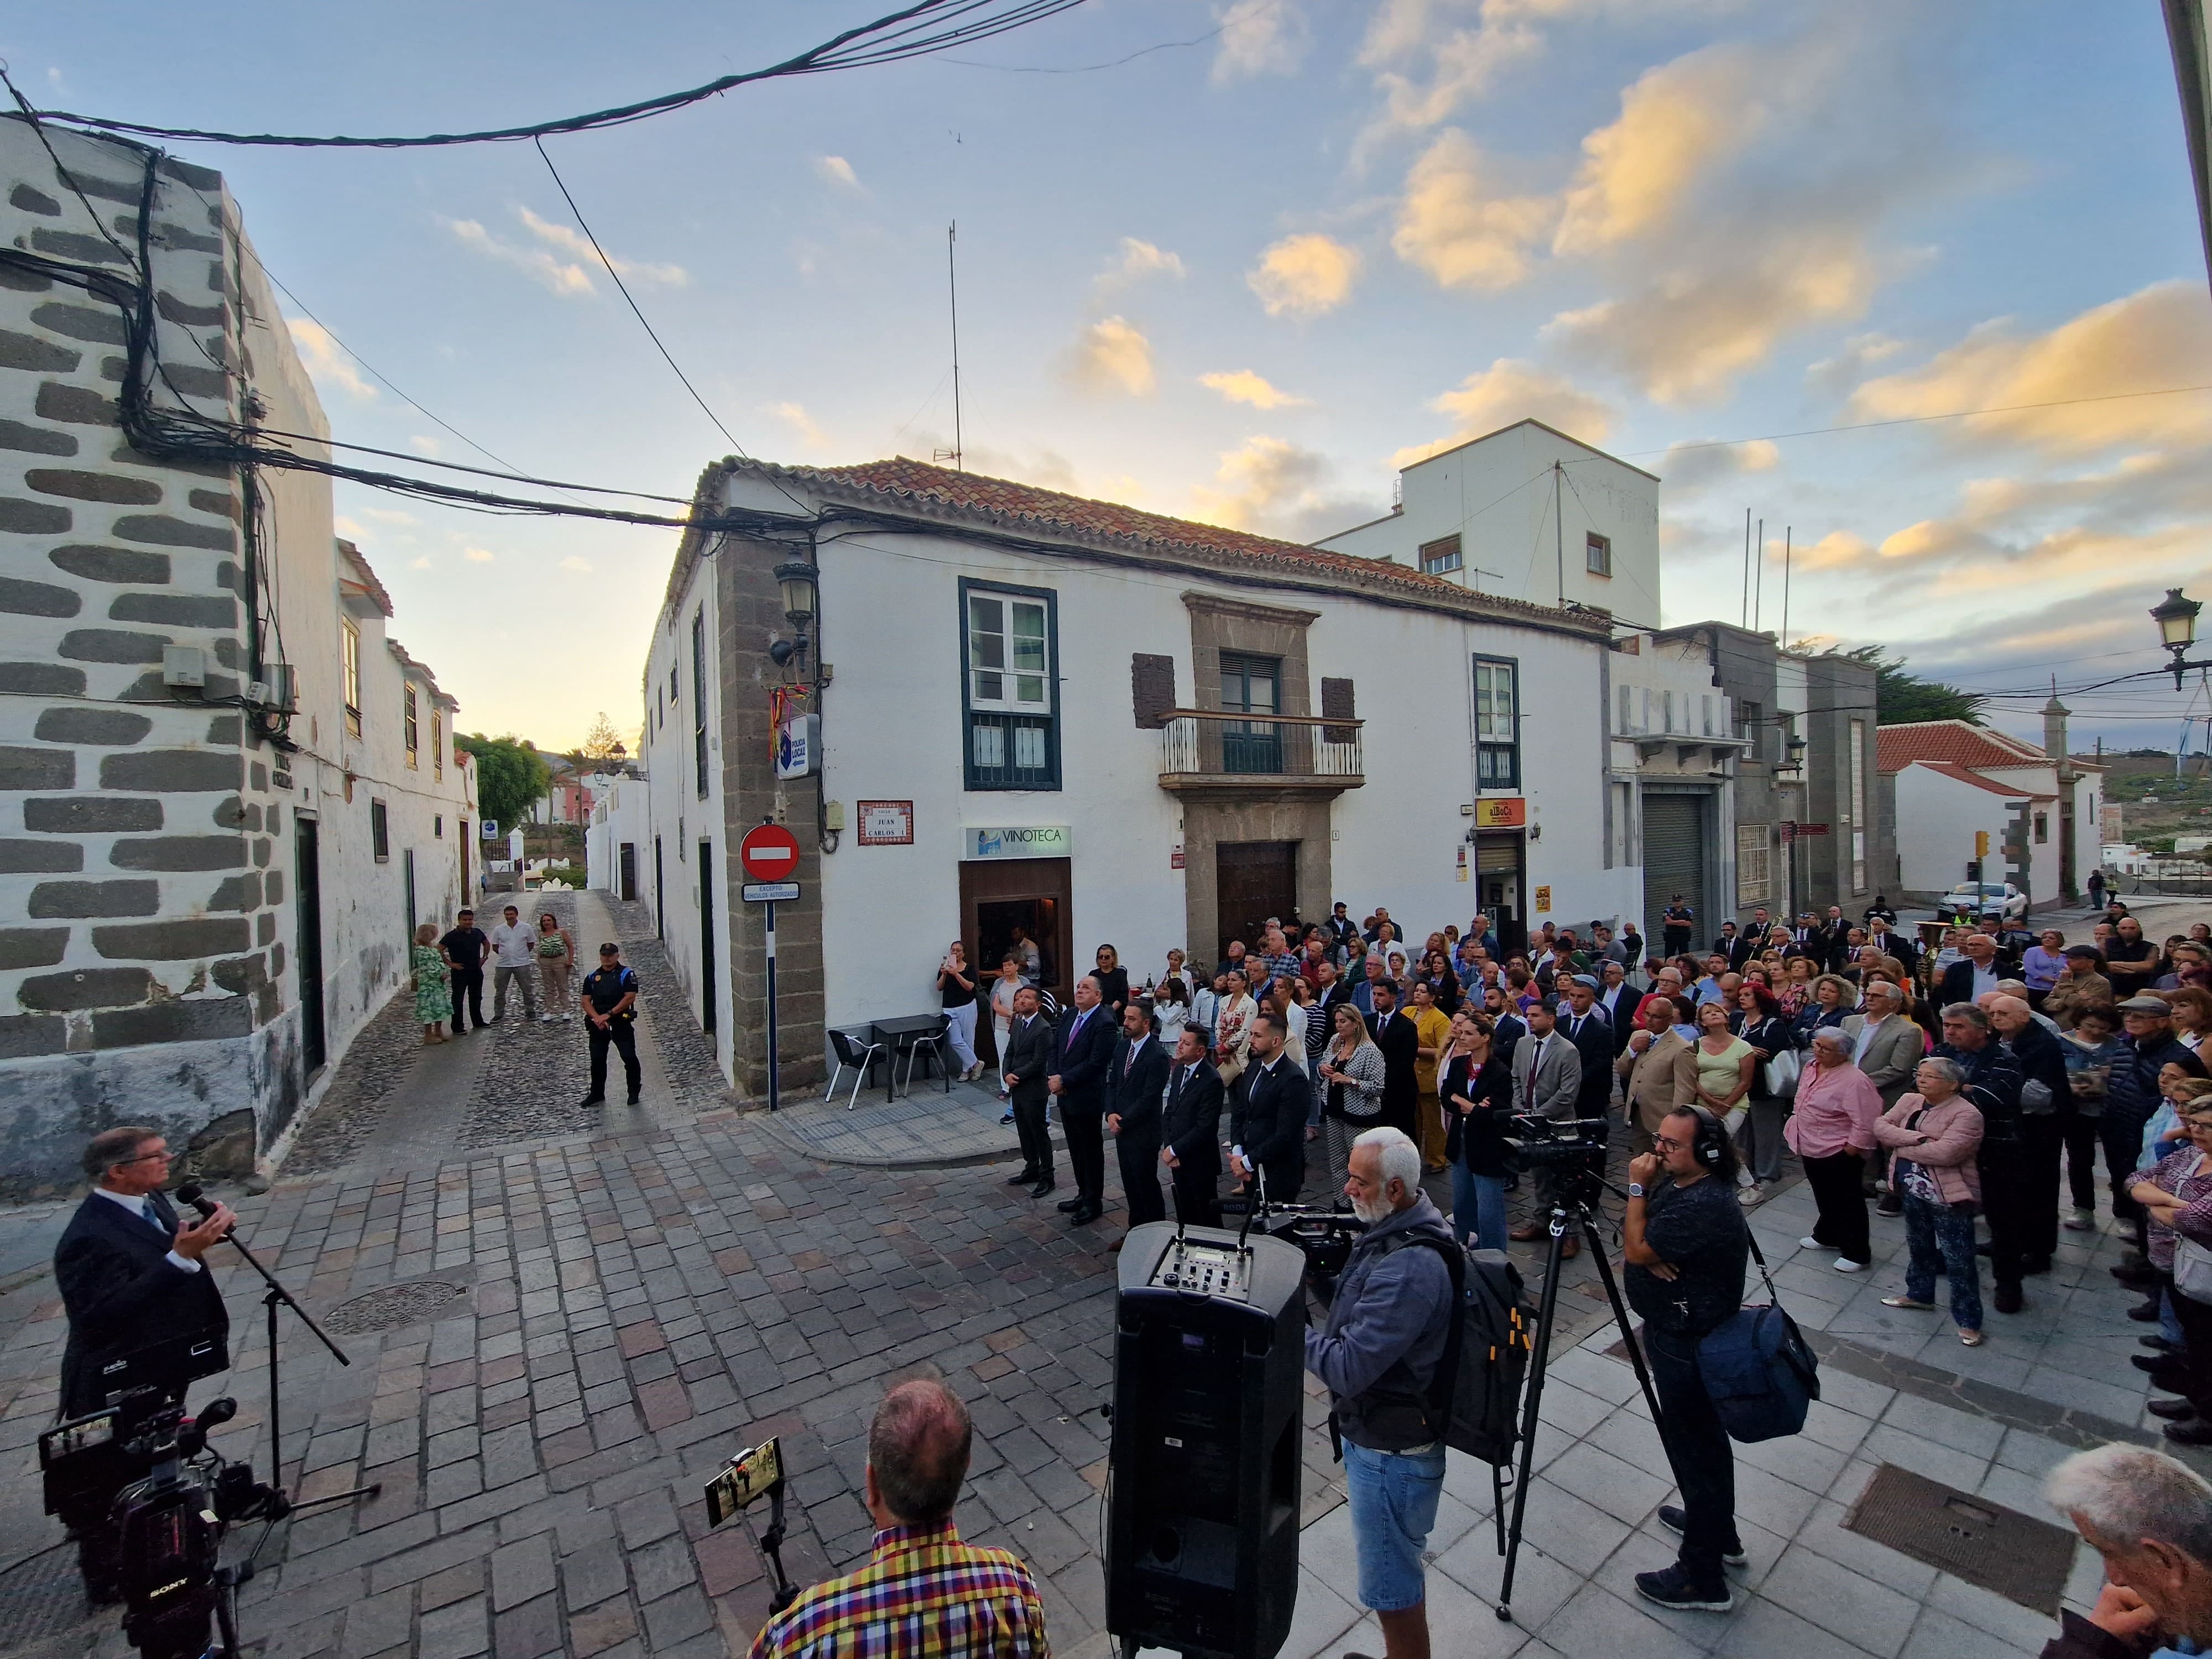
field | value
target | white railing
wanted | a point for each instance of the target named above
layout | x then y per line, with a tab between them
1206	743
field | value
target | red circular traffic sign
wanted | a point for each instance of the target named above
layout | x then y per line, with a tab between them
769	852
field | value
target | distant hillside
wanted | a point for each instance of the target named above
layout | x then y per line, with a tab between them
2153	806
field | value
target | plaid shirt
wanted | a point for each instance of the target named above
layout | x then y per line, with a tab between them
924	1595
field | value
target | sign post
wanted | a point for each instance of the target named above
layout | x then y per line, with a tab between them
769	852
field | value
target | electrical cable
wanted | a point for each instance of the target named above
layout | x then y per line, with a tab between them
1116	63
895	38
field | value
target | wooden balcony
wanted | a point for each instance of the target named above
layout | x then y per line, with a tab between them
1232	755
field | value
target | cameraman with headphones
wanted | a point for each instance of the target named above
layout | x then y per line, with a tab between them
1686	1244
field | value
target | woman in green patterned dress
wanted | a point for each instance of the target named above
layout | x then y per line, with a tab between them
434	1001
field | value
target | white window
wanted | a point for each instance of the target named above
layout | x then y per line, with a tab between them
1857	769
1597	557
1441	556
1008	653
1753	871
1496	724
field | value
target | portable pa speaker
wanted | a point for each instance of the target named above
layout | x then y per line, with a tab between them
1202	1516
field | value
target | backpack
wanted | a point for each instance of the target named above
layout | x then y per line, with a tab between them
1758	1369
1475	1395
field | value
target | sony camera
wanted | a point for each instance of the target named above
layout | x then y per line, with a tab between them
144	1468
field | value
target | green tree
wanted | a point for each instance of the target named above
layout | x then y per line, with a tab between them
511	775
1900	696
601	741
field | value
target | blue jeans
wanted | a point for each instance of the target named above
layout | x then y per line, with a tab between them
1393	1504
1939	1238
1478	1207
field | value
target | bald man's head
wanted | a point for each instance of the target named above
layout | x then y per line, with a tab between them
918	1449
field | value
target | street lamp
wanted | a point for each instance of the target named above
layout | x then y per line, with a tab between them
2176	617
795	582
1795	761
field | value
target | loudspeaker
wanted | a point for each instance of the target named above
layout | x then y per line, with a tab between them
1202	1510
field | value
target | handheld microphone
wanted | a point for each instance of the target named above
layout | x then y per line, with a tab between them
190	1193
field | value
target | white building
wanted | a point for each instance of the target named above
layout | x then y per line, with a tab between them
1100	725
224	794
1956	783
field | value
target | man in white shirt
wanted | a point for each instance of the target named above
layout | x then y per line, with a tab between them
514	956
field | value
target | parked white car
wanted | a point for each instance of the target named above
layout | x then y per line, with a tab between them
1985	900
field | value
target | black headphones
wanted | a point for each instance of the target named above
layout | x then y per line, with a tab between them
1706	1149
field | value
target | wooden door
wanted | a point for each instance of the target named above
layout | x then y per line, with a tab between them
998	896
1253	880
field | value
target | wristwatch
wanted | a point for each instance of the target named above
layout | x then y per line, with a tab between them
1636	1189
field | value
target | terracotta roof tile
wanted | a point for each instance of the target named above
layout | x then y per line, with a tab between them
1898	746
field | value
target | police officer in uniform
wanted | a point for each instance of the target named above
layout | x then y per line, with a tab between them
609	1002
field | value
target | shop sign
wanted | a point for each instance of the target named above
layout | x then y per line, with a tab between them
1033	840
885	823
1501	812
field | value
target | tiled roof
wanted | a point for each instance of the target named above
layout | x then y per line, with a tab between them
1017	505
359	575
1951	769
1898	746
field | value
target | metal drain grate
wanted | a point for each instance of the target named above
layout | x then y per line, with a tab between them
390	1307
44	1597
2020	1557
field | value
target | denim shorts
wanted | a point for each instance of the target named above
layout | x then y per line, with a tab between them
1393	1504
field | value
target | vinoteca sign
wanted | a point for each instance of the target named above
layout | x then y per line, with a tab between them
1033	840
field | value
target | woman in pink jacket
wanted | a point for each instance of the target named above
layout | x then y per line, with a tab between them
1831	1130
1932	1138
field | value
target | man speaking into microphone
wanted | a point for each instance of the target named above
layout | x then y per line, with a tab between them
139	1294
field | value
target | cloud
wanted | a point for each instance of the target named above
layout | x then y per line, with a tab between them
349	528
836	170
802	425
1453	227
1260	36
2157	336
422	445
326	360
1694	465
1676	120
1138	260
1112	355
581	565
478	555
422	564
576	243
564	277
1278	488
1838	374
391	515
1307	275
1241	386
1510	390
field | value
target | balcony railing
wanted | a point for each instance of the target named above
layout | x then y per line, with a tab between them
1213	748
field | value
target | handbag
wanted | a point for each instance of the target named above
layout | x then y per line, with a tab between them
2192	1269
1782	1072
1758	1369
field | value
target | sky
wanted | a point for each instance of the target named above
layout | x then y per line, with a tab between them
1240	262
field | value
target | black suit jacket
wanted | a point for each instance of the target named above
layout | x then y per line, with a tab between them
1273	1131
1133	1093
1190	1121
1083	1060
1619	1007
1957	984
1735	947
1028	1060
1594	1042
125	1297
1400	1040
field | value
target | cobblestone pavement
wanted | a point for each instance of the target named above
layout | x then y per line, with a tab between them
638	1293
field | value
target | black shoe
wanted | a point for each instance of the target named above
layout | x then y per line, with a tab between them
1006	1116
632	1100
2159	1343
2144	1313
1026	1177
1043	1186
1069	1205
2195	1433
1890	1206
593	1100
2007	1299
1672	1588
1670	1517
2174	1410
2170	1377
2152	1362
1084	1215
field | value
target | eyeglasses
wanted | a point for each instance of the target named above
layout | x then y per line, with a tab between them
1667	1143
162	1157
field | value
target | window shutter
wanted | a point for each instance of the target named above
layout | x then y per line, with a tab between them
1336	703
1152	690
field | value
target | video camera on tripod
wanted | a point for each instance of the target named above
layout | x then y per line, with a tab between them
171	1521
1560	1143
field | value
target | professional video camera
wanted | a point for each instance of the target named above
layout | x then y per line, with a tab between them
1560	1143
170	1521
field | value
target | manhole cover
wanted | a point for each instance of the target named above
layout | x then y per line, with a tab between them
44	1597
388	1308
2018	1557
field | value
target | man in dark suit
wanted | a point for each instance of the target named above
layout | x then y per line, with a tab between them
1132	1113
1617	1002
1733	945
1083	1056
139	1294
1190	1130
1400	1040
1271	1135
1507	1028
1581	1024
1024	1067
1970	980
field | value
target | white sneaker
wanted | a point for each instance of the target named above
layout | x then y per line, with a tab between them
2081	1221
1752	1196
1845	1264
1808	1243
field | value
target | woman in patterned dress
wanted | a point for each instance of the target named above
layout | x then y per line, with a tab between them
433	999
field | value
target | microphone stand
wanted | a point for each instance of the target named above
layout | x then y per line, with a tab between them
276	1297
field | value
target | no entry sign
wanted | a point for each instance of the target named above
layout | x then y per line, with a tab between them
770	851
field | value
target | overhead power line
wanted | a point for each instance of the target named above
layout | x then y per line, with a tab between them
917	31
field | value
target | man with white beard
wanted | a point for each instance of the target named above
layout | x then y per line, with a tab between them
1378	1355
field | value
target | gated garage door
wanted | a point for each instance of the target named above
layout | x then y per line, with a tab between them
1674	862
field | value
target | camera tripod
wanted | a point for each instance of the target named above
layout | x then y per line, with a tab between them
1574	1205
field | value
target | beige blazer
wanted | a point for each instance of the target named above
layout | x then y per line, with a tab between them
1663	1076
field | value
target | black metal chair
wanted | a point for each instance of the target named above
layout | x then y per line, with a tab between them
934	1043
859	1050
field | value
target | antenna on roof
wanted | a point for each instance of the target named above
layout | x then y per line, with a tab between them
952	289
